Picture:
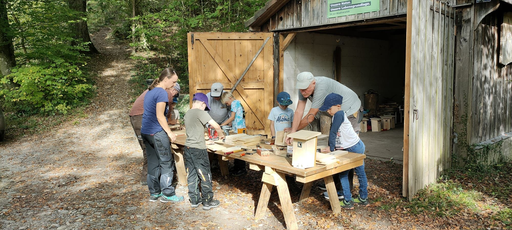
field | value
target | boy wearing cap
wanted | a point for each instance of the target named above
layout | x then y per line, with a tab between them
195	154
342	136
281	116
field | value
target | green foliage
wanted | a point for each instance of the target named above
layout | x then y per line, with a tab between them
48	75
144	70
111	13
46	89
164	29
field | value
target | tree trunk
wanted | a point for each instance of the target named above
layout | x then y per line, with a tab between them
7	60
80	28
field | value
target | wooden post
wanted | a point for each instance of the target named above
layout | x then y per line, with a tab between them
333	194
266	189
306	189
325	123
180	166
286	202
223	165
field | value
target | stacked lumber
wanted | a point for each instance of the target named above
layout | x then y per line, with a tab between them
242	139
330	160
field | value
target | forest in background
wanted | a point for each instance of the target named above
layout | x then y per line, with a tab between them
45	44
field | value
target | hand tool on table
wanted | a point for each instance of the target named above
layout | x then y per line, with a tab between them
233	151
212	133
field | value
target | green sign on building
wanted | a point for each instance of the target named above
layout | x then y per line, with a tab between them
336	8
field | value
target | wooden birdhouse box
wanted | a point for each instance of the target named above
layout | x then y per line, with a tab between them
304	148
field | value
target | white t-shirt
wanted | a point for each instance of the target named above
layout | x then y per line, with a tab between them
282	118
345	136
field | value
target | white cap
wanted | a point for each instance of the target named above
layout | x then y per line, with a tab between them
216	90
304	79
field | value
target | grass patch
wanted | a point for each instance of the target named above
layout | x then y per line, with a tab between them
464	192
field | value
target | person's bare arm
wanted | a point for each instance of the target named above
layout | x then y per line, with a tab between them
272	131
160	116
307	119
230	119
216	126
297	116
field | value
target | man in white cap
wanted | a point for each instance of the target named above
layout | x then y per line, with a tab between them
316	89
218	110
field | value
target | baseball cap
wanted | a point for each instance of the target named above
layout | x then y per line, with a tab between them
330	100
284	98
177	87
201	97
216	90
304	79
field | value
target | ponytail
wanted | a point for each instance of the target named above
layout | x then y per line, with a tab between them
166	73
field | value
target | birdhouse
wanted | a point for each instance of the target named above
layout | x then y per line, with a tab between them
304	148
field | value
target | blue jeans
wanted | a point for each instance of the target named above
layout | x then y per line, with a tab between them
361	175
160	163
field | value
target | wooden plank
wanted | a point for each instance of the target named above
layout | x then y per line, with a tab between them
223	165
341	168
286	202
180	167
266	189
407	100
287	41
256	167
506	44
333	194
306	189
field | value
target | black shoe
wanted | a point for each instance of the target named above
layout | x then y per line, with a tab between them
207	205
195	205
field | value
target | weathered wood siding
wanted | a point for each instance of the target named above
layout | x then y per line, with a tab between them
491	99
309	13
431	90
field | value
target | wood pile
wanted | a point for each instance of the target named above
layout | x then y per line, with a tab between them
242	139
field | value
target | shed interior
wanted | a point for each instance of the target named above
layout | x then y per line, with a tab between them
369	59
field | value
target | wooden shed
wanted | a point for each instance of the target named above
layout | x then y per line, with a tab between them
446	61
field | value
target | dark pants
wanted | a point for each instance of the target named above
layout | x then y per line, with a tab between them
198	170
160	163
137	125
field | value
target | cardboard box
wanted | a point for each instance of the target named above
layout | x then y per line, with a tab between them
376	125
304	148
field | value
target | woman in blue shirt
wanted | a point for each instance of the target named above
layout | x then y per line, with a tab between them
157	137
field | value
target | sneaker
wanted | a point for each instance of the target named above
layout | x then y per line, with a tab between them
174	198
210	204
360	201
347	204
154	197
340	195
194	205
322	187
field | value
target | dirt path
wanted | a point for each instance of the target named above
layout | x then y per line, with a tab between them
83	175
